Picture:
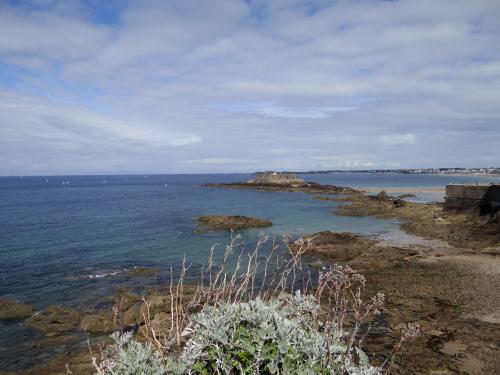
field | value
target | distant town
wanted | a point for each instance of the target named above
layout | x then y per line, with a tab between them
464	171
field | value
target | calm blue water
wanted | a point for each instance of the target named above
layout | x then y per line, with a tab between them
56	228
53	230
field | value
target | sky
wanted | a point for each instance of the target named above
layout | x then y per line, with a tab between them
196	86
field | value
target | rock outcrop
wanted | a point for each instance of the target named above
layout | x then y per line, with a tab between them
13	310
342	246
226	222
464	228
55	320
99	322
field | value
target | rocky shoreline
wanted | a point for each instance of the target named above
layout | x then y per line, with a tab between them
461	229
63	327
451	291
455	304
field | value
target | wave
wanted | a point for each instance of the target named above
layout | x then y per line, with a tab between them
95	275
136	271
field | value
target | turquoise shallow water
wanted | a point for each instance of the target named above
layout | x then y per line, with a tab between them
55	231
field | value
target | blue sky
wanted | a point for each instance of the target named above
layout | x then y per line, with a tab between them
237	86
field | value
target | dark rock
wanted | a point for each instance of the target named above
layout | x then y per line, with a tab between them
403	196
436	339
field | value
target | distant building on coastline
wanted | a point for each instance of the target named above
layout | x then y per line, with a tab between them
276	178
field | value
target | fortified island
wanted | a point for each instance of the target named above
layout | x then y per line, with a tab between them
277	181
276	178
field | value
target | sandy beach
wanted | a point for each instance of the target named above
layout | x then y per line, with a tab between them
406	190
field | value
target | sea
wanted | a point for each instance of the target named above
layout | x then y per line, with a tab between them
69	240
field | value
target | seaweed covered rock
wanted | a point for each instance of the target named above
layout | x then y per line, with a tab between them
99	322
344	246
55	320
140	272
13	310
380	205
226	222
160	324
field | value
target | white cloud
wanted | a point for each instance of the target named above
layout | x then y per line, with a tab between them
398	139
343	162
210	86
44	35
279	111
216	161
77	137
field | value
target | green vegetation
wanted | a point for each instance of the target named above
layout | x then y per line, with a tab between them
279	336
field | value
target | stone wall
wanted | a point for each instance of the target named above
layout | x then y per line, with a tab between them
276	178
461	196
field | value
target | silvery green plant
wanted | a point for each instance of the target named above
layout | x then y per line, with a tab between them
130	357
279	336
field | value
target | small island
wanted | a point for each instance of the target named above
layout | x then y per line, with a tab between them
276	178
287	182
226	222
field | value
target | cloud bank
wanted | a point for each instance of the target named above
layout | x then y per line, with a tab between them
229	85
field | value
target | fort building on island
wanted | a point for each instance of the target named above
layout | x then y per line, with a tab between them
276	178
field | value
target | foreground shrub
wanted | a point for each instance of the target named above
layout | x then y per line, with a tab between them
233	327
282	335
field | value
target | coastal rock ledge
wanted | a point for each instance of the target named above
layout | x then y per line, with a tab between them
343	246
13	310
226	222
